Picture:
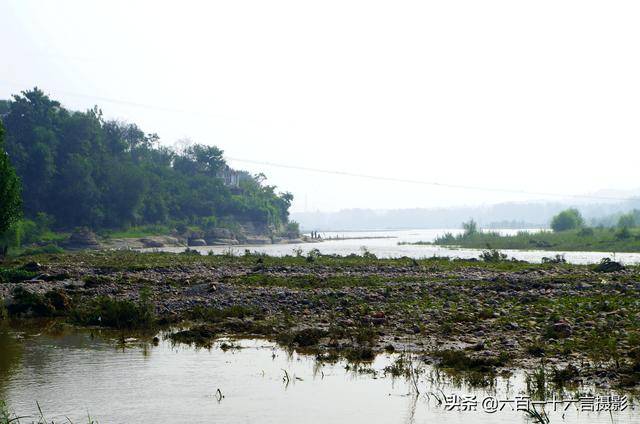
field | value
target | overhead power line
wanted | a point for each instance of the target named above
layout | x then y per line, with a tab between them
430	183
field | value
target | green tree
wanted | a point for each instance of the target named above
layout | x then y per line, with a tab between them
85	171
569	219
627	220
10	199
470	227
78	195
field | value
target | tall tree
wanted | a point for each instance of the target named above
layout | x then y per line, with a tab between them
85	171
10	199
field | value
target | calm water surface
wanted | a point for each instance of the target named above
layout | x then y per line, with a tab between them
386	246
71	372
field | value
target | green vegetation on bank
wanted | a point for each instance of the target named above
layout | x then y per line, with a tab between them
128	260
138	231
78	169
596	239
10	200
569	234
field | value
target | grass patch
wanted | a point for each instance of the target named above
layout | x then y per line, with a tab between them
39	250
119	314
200	336
137	232
312	281
15	275
138	261
302	338
200	313
458	360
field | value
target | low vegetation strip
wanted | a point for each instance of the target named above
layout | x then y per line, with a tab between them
585	239
569	233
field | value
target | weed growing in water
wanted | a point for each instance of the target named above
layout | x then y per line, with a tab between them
119	314
538	417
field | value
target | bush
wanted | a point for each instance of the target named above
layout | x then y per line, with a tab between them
200	336
493	255
120	314
558	259
627	220
569	219
607	265
52	303
313	255
366	254
292	230
586	232
38	250
15	275
470	228
623	233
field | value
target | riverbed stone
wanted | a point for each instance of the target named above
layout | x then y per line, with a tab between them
197	242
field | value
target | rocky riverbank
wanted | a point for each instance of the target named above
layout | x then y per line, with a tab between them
83	239
580	323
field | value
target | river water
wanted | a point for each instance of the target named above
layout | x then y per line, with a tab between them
386	245
71	373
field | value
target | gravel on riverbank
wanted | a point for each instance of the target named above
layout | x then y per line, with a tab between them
568	317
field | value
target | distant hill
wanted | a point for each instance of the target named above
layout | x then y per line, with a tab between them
534	214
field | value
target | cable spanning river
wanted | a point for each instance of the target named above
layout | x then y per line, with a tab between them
388	244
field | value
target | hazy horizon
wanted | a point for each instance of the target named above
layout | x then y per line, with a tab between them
535	98
500	215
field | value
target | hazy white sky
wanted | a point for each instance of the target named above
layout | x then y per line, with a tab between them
536	96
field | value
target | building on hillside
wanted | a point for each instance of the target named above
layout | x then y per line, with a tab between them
231	178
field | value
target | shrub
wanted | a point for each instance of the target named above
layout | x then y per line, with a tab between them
458	360
586	232
120	314
200	336
292	230
627	220
470	227
493	255
558	259
623	233
15	275
313	255
38	250
52	303
607	265
367	254
569	219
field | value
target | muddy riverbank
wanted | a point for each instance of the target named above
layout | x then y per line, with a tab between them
581	324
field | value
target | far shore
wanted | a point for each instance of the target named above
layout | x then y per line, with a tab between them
159	241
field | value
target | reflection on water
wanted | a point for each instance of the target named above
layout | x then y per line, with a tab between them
387	247
10	355
70	373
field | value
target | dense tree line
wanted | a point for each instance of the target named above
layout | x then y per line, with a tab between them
10	200
83	170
